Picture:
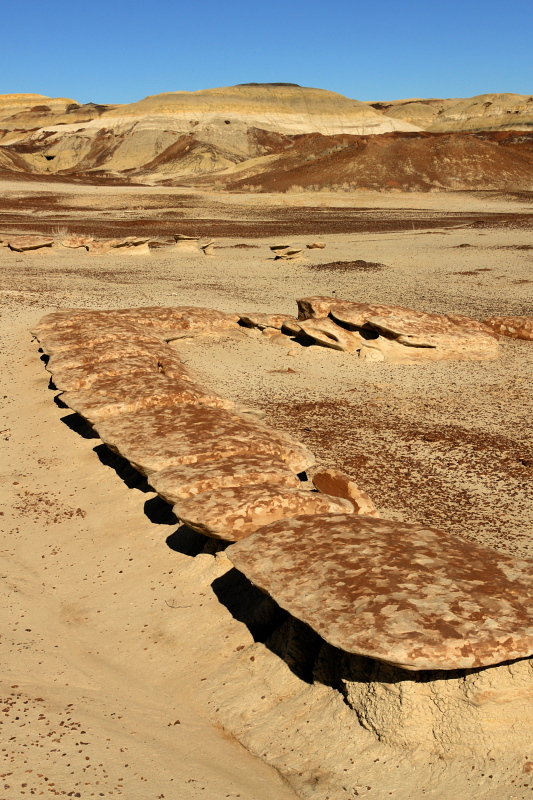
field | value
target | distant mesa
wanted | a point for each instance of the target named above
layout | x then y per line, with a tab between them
269	84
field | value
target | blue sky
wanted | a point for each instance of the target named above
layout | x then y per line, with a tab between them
117	51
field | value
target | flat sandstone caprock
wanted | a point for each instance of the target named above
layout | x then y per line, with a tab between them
158	438
182	481
515	327
404	594
121	394
234	513
109	351
71	379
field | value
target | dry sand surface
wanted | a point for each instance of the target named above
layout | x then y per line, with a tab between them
114	627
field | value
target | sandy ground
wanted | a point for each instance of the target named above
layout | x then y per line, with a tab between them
112	632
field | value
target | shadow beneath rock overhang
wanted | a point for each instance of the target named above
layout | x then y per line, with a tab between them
128	474
287	637
187	541
79	425
159	511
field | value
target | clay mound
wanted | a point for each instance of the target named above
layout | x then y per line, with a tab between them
182	481
184	133
515	327
401	161
410	596
284	108
233	514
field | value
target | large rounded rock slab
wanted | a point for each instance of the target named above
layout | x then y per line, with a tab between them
404	594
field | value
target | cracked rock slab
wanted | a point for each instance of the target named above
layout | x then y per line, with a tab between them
84	376
158	438
235	513
122	394
401	593
182	481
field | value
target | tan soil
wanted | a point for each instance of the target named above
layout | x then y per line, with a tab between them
120	635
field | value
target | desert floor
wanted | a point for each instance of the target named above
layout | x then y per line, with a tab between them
111	627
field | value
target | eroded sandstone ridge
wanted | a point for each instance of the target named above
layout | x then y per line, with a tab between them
410	638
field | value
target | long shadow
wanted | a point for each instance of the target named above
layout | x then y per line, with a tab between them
187	541
80	426
291	640
160	512
128	474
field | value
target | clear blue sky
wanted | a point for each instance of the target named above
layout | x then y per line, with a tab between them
122	50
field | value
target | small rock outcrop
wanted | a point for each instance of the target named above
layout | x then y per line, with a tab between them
338	484
22	243
186	244
393	333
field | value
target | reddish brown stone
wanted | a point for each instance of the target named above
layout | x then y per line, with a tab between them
404	594
515	327
234	513
181	481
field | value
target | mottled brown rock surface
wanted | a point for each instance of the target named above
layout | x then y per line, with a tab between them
233	514
182	481
84	376
121	394
407	595
22	243
106	351
515	327
338	484
155	439
68	339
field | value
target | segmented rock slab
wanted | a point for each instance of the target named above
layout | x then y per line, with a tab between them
234	513
121	394
67	339
84	376
155	439
515	327
404	594
106	351
181	481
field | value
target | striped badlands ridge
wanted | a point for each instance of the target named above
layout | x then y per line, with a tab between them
413	597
